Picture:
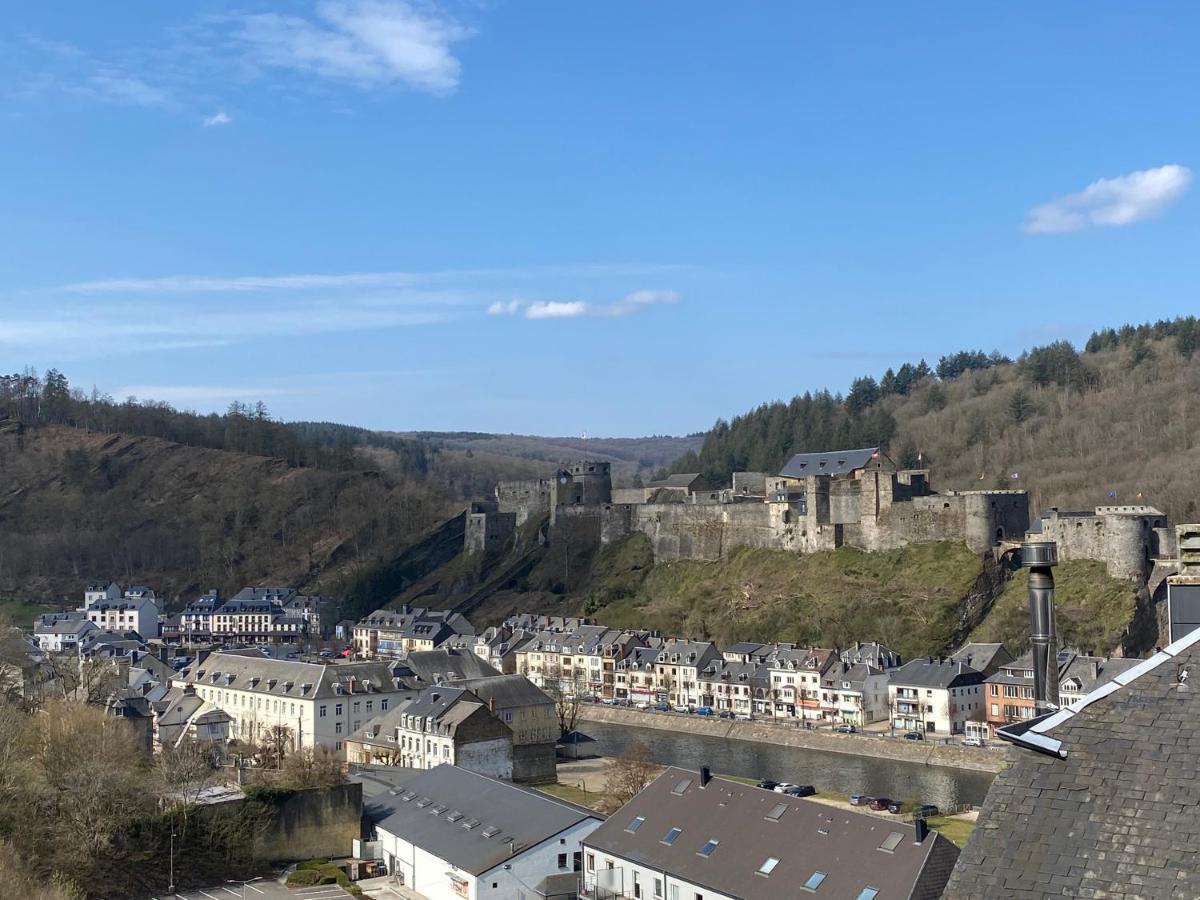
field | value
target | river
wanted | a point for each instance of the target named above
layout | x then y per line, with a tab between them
841	772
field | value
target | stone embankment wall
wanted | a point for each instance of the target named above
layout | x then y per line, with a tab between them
312	824
928	752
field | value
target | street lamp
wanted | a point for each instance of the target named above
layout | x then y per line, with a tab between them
244	883
171	878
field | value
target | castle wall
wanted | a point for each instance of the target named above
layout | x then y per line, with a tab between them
525	498
845	500
689	531
1126	538
750	484
629	495
488	531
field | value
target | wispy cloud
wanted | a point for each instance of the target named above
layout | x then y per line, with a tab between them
573	309
218	118
1112	201
112	85
304	281
369	43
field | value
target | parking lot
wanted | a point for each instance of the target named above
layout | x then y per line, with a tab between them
259	890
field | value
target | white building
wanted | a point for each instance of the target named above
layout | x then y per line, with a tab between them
63	632
451	834
854	694
321	705
935	696
138	614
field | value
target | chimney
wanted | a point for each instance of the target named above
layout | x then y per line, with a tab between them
705	776
920	830
1040	557
492	705
1095	669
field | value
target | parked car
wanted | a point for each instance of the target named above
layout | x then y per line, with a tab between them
925	810
326	653
642	704
800	790
879	804
860	800
914	736
607	701
725	714
784	787
663	707
972	742
846	729
704	710
895	806
744	716
680	707
768	785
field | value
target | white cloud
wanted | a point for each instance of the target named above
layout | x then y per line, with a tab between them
218	118
114	86
368	42
573	309
1112	201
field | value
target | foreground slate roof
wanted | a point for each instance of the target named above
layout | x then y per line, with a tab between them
431	809
854	850
1101	800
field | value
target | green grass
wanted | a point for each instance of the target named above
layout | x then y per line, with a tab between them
1092	610
21	612
573	794
909	598
957	830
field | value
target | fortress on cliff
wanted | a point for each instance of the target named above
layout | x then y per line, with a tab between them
817	501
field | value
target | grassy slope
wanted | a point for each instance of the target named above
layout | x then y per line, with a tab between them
906	598
1092	609
22	612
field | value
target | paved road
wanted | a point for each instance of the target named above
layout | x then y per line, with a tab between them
259	890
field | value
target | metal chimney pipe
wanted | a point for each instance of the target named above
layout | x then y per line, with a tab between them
1040	557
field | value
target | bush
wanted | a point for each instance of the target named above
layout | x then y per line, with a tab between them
304	877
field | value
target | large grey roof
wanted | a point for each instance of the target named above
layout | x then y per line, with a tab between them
675	481
522	816
806	837
1100	800
945	673
835	462
286	678
509	691
982	656
436	666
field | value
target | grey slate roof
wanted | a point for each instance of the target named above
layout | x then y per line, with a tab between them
945	673
835	462
509	691
436	666
525	817
807	837
1098	801
984	657
684	480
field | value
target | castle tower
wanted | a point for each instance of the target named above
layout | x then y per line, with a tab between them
583	483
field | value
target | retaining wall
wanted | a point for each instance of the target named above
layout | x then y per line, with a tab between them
927	752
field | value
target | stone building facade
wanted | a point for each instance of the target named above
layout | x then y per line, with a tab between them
1127	538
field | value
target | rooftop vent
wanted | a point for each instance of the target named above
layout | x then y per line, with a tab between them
424	802
453	816
470	823
490	832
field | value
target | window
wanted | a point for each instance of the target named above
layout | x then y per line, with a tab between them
562	860
776	812
337	710
669	837
768	866
657	887
709	846
814	881
867	893
337	728
635	824
891	842
591	862
383	704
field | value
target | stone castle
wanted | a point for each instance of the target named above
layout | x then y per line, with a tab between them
818	501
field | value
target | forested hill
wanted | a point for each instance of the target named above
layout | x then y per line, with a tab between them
1113	423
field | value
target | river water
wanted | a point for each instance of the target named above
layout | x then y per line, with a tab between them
842	772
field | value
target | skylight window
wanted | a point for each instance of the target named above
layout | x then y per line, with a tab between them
814	881
490	831
470	823
708	848
768	866
635	824
891	842
681	786
669	837
867	893
776	812
454	816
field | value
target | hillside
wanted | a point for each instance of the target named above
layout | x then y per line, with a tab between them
1075	429
529	456
76	505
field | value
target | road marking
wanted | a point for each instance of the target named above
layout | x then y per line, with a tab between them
208	895
227	890
256	890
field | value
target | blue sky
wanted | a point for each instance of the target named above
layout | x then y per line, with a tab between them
564	218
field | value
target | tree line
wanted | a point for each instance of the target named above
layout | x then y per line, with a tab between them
31	399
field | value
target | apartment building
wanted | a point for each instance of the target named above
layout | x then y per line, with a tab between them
320	705
935	696
796	681
388	633
854	694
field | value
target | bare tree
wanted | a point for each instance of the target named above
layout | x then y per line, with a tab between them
566	699
182	774
313	768
629	774
276	744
